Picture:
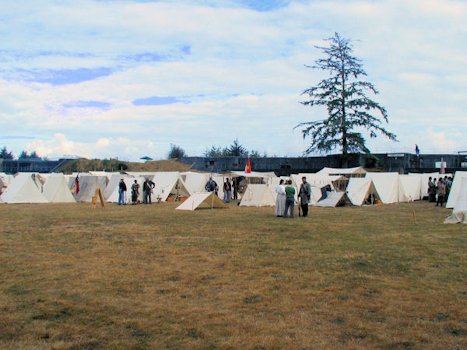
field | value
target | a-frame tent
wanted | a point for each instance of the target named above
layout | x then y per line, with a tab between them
202	200
25	188
56	189
258	195
387	185
459	212
456	188
168	183
360	189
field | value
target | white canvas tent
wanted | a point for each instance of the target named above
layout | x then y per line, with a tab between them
5	181
258	195
409	188
195	182
25	188
202	200
88	184
332	200
387	185
459	212
56	189
456	189
357	171
359	189
166	184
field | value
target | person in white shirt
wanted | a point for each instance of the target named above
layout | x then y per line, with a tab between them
280	200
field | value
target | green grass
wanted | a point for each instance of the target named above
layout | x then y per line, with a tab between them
384	277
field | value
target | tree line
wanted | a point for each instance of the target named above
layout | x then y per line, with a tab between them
5	154
236	149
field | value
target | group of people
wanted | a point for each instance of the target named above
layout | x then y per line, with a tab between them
228	187
285	201
438	191
148	186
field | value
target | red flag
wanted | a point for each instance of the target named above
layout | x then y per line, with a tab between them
248	166
77	185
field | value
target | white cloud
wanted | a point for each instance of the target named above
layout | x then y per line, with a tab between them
122	148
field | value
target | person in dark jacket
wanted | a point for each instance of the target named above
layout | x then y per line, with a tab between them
304	195
134	192
148	186
121	192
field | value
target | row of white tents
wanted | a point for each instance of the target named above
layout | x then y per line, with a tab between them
353	185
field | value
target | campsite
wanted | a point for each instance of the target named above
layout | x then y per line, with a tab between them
76	276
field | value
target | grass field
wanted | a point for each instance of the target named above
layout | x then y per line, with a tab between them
137	277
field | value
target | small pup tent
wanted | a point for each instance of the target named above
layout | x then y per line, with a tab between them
56	189
459	213
25	188
202	200
360	189
332	200
258	195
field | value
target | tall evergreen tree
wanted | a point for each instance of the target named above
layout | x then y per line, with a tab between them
236	150
5	154
348	107
176	152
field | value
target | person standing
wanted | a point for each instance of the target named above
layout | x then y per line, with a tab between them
211	186
227	191
280	199
134	192
121	192
148	186
441	191
304	195
235	187
289	199
431	190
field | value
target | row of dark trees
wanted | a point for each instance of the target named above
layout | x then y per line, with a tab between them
233	150
5	154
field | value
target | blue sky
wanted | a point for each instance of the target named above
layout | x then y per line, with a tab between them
127	78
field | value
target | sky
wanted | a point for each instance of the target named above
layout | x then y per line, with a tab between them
129	78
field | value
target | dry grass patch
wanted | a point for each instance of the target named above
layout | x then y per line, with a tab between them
387	277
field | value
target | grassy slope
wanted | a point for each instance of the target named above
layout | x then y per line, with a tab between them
83	165
389	277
